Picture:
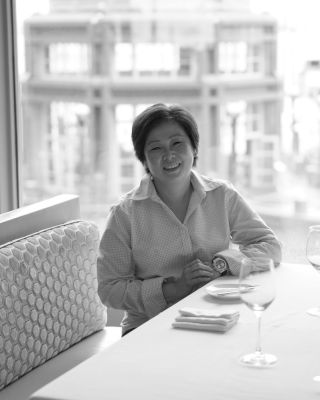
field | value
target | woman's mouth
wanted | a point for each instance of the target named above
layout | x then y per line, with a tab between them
172	167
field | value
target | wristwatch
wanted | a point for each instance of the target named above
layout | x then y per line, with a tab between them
220	265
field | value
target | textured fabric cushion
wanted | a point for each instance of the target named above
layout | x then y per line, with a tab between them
48	296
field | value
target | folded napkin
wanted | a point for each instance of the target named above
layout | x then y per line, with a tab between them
207	320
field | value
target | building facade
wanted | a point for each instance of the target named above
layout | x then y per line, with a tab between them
88	73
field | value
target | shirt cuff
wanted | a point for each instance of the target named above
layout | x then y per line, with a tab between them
233	258
152	296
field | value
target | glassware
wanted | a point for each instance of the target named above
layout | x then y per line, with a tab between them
259	273
313	256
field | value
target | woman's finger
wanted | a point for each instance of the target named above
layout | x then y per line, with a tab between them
200	280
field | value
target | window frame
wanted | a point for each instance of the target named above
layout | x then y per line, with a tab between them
9	110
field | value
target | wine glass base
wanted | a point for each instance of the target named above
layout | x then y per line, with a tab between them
315	311
258	360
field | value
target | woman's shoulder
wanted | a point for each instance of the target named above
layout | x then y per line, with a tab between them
122	205
127	200
212	183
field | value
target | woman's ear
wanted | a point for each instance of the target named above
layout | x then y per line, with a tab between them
195	157
146	167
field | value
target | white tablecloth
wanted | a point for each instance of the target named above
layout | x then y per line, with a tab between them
158	362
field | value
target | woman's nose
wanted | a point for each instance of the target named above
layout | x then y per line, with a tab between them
168	153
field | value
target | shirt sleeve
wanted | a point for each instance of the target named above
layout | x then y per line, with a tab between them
118	286
249	232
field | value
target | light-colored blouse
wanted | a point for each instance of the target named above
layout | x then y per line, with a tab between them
144	242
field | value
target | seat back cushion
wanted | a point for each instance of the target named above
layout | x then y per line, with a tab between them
48	296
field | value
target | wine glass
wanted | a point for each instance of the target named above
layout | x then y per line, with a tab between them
313	256
257	291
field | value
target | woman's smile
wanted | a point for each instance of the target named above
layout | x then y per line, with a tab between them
172	167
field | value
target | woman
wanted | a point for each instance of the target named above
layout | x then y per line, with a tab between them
172	233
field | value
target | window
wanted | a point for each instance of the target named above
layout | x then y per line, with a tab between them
81	84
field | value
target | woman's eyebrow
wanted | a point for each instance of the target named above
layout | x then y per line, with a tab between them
152	142
175	135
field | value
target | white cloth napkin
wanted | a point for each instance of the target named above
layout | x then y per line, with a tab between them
207	320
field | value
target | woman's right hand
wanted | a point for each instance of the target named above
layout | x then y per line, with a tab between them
195	275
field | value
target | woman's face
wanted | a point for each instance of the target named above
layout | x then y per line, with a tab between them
169	153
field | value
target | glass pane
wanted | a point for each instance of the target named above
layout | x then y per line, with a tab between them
254	89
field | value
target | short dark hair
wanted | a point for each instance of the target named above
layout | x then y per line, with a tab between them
154	116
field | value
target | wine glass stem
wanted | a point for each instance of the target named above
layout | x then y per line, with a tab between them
258	345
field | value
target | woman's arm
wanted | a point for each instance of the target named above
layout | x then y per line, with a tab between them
118	286
249	231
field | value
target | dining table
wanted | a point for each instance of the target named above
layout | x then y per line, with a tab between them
157	361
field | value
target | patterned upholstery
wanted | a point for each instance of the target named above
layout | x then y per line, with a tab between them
48	296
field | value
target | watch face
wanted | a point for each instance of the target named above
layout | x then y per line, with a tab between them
220	265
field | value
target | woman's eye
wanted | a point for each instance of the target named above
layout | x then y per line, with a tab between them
176	143
155	148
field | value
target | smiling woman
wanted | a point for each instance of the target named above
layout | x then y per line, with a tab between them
172	233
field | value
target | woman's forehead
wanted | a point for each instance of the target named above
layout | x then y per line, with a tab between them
165	130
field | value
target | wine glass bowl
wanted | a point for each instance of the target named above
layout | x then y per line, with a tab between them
313	256
259	273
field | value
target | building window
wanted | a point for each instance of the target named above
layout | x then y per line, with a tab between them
254	58
68	145
68	58
233	57
254	119
145	58
126	32
185	66
155	57
123	57
124	116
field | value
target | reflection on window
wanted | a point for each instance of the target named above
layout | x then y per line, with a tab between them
68	58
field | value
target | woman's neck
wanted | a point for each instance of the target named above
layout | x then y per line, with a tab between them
175	191
176	196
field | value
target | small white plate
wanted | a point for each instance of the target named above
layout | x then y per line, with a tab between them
218	289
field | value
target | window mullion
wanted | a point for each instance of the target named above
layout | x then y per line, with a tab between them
9	181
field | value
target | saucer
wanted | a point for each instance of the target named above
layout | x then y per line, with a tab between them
220	290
